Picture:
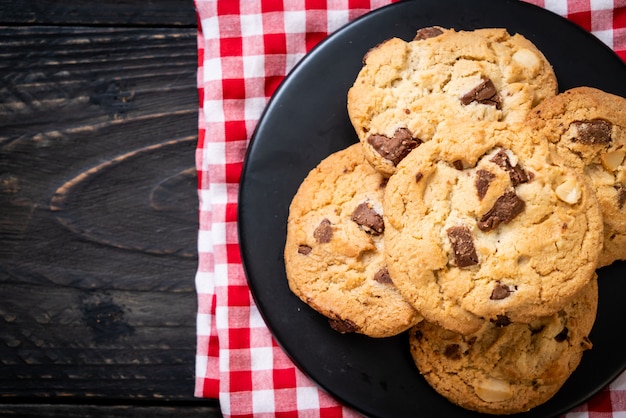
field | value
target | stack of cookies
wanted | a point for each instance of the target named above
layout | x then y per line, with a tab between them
473	212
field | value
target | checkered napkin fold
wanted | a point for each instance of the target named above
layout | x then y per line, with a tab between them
245	49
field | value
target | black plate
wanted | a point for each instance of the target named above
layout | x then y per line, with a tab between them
306	120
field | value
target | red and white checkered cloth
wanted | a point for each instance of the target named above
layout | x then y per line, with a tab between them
245	49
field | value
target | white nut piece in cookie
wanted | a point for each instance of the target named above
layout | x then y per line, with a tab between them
612	160
528	59
493	390
569	191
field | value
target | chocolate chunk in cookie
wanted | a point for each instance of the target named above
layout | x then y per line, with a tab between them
507	207
500	291
458	164
484	93
382	276
426	33
324	232
593	132
366	217
453	352
483	179
516	173
304	249
462	246
501	321
343	325
395	148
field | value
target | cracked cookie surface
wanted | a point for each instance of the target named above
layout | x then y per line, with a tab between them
481	224
588	128
333	253
406	89
511	369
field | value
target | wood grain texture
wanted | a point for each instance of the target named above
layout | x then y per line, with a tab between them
103	12
98	209
111	411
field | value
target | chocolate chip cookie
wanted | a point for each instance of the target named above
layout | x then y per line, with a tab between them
333	253
588	128
508	369
406	89
481	224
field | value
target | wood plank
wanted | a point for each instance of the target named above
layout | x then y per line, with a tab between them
112	411
104	12
98	214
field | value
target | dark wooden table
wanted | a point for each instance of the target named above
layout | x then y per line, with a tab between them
98	208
